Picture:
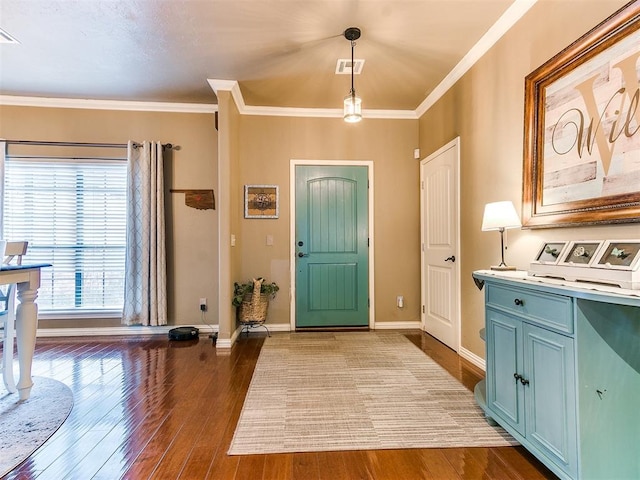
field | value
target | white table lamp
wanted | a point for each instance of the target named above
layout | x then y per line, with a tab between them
500	216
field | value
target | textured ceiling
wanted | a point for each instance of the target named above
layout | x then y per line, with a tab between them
282	53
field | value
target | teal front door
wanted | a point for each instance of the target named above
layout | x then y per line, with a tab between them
332	236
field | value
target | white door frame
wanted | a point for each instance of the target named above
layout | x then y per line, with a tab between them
455	143
292	230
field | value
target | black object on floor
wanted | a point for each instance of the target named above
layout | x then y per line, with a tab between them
183	333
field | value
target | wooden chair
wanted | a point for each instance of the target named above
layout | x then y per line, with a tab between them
14	250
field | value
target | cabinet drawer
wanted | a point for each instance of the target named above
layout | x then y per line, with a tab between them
548	309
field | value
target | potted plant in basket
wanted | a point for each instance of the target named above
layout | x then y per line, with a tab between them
252	299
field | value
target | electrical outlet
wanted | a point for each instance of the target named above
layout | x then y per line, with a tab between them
203	304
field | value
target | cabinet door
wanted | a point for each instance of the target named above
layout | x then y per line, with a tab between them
505	399
551	400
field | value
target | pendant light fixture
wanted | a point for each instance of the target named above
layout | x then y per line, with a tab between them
352	102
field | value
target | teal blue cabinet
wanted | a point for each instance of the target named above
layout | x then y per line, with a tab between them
505	400
563	372
549	383
531	386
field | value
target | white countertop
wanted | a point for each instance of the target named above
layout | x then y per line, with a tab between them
587	290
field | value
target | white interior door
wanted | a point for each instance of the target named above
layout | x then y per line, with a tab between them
440	220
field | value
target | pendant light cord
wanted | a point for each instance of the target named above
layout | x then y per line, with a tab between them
353	91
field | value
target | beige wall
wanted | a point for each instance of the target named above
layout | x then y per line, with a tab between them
259	150
228	174
192	244
267	146
486	109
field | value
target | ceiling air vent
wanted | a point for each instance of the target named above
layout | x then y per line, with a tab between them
6	38
343	67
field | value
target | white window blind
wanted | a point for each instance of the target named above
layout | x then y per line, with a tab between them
72	213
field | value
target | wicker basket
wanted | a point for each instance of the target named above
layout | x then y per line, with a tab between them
254	305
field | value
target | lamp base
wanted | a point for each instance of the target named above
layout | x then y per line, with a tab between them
503	268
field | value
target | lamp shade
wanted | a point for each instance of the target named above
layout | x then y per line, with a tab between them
500	215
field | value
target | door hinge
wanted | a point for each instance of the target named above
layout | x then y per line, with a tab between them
369	302
367	241
421	184
423	309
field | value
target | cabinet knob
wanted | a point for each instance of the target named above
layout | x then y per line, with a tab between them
523	380
519	302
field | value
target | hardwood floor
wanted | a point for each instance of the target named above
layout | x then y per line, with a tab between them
149	409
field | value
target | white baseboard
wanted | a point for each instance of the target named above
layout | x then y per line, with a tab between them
273	327
227	343
396	325
136	330
473	358
279	327
117	331
286	327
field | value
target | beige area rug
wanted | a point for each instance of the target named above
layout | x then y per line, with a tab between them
26	425
356	391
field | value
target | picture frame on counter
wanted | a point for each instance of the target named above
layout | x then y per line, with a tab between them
550	253
613	263
619	255
580	253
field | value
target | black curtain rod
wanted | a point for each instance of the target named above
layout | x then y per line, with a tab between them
78	144
51	157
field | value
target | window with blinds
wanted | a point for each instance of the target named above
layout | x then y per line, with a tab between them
72	213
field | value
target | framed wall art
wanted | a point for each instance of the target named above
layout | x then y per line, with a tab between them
261	201
582	130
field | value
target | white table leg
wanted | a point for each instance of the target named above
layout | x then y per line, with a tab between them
7	353
26	327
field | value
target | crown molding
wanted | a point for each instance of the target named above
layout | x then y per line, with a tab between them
244	109
107	104
327	113
502	25
229	86
508	19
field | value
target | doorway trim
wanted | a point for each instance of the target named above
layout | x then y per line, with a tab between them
292	230
455	144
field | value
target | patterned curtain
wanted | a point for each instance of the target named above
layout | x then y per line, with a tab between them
145	286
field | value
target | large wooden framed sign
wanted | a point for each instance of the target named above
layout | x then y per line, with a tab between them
582	129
